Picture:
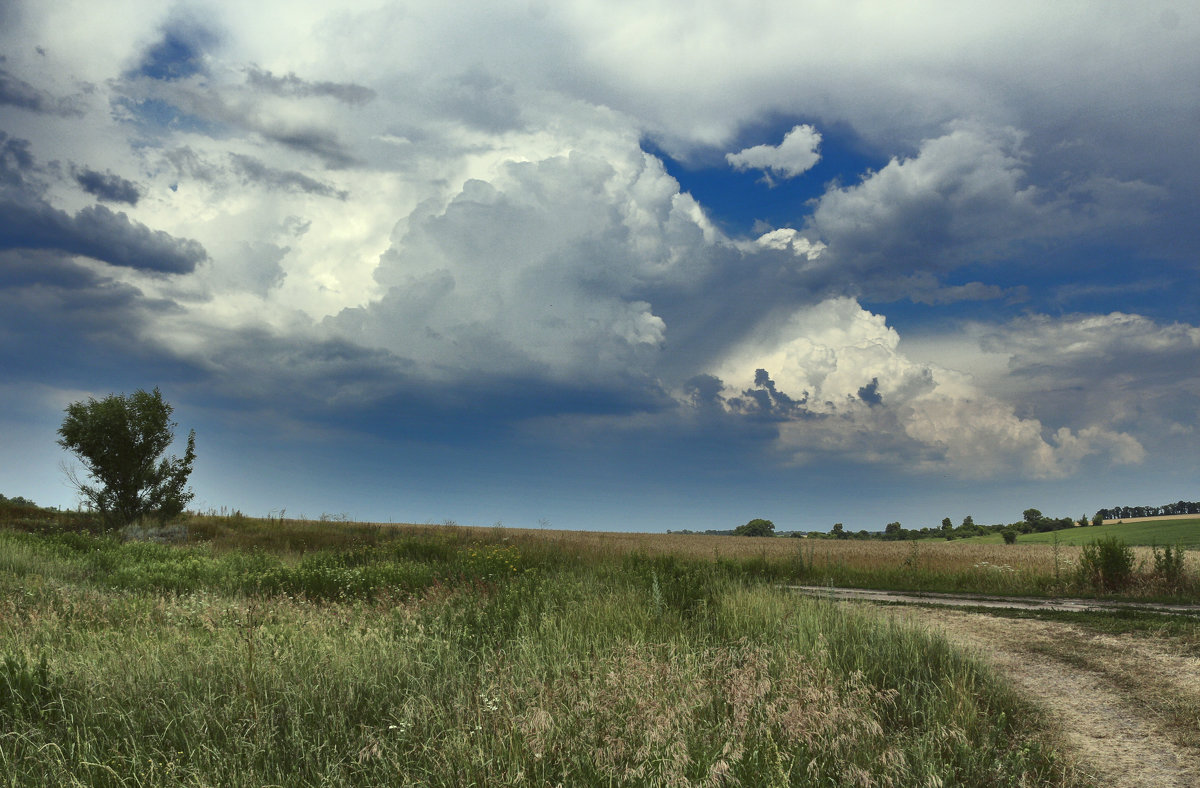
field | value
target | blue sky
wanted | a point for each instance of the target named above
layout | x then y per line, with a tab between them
612	265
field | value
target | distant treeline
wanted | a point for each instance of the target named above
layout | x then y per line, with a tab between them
16	501
1130	512
1033	521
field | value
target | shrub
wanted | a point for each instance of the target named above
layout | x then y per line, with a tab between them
1106	564
1010	535
1168	567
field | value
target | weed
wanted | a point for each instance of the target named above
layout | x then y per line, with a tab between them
1106	564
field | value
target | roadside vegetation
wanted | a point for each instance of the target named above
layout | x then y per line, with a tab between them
251	652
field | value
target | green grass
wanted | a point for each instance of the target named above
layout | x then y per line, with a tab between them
451	659
1147	533
1150	532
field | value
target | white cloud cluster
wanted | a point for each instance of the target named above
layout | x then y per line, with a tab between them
797	154
863	398
541	270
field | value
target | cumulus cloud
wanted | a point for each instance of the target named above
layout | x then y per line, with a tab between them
542	269
834	377
797	154
963	197
787	238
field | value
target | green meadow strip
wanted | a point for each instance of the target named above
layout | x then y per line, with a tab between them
437	662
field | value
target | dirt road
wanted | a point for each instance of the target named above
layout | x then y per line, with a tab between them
986	601
1129	707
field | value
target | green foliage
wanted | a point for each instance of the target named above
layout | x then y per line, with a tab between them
756	527
1010	536
121	441
1106	564
28	691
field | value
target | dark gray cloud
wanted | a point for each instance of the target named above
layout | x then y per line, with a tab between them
255	171
66	325
870	393
16	92
107	186
291	85
96	232
767	403
28	221
316	142
15	161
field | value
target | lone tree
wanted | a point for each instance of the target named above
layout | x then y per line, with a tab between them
756	527
121	441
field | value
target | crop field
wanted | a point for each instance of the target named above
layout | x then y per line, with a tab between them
302	654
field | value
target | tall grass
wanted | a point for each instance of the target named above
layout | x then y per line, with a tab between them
427	659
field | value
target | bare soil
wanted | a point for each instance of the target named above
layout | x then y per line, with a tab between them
1128	707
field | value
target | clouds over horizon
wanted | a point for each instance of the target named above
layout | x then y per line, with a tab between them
339	214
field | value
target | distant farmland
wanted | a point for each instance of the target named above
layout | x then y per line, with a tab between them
1162	531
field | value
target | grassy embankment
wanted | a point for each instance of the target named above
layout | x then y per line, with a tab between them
308	654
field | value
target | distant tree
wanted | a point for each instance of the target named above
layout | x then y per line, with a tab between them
893	531
1098	519
121	441
968	521
1009	534
947	524
756	527
838	531
1031	516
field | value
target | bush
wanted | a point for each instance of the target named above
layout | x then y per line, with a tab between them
1010	535
1168	567
1106	564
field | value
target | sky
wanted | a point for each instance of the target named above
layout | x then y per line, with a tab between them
612	265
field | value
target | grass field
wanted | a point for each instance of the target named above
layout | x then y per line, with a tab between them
1184	532
1145	533
307	654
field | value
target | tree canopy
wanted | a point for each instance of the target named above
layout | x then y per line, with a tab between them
756	527
121	440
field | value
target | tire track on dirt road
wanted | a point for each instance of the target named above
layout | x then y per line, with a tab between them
1128	708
